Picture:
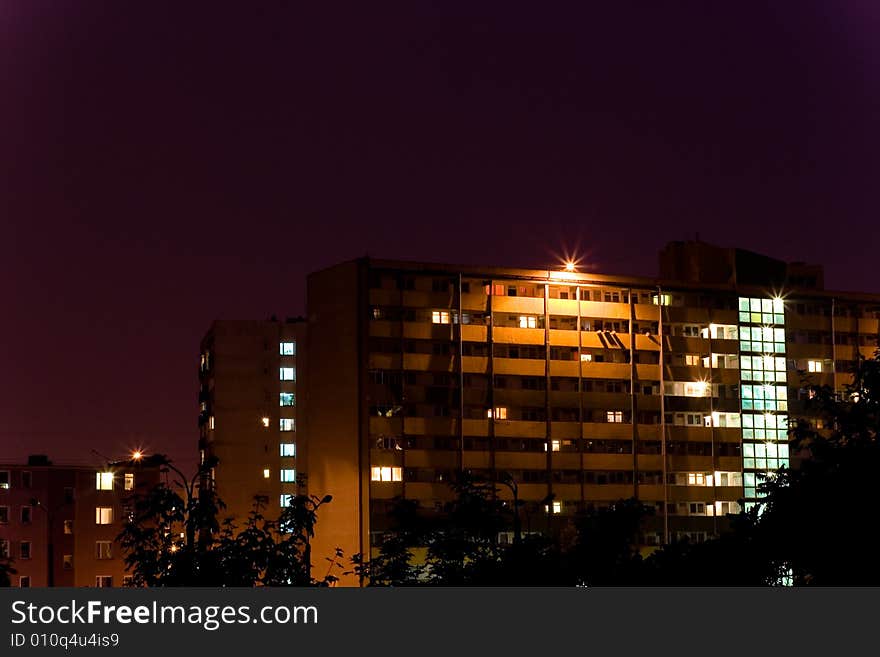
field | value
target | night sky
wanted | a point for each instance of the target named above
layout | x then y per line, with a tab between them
165	164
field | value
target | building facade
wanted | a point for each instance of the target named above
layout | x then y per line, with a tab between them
59	523
250	412
583	388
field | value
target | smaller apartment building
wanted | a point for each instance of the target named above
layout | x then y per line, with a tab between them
59	523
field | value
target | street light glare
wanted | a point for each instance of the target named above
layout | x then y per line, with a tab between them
137	455
569	266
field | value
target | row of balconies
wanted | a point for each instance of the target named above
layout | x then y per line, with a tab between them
441	426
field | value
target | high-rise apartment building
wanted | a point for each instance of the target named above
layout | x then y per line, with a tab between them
582	388
59	523
250	412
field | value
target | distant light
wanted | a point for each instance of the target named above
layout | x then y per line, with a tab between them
265	421
137	455
570	266
266	473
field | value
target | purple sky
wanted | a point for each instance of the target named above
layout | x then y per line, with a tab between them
163	164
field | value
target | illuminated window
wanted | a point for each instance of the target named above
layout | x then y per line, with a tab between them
4	479
499	414
288	424
285	500
696	479
265	422
103	550
287	399
267	473
211	423
287	348
104	481
288	449
288	475
586	358
661	299
103	515
555	445
386	473
103	581
68	526
288	374
129	481
692	359
440	317
814	365
614	416
697	389
528	321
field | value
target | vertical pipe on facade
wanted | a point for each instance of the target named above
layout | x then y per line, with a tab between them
663	417
401	285
490	367
549	443
712	434
461	377
580	390
633	402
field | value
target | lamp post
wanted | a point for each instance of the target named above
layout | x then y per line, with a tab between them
507	480
50	545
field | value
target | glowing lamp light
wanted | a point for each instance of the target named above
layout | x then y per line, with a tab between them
265	422
137	455
570	266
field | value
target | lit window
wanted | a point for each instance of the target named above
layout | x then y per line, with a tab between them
266	473
288	348
814	365
386	473
500	413
288	449
4	479
265	421
103	550
288	424
692	359
211	423
614	416
104	481
661	299
68	526
288	374
554	445
129	481
103	581
288	475
103	515
285	500
440	317
586	358
287	399
528	321
557	507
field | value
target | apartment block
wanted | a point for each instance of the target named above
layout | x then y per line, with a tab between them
59	523
250	412
582	388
